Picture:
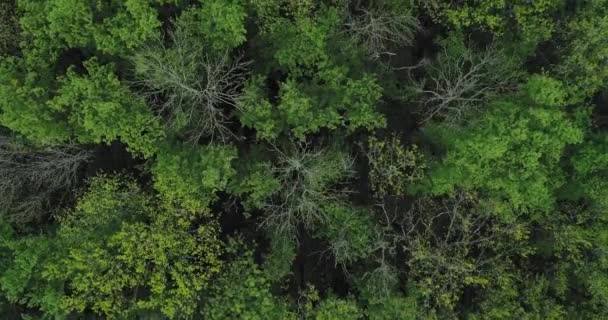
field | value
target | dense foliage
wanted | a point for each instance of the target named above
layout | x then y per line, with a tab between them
303	159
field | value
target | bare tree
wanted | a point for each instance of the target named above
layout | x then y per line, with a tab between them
451	243
34	179
193	89
446	243
377	29
307	177
455	84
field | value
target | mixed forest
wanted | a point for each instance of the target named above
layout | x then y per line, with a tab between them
303	159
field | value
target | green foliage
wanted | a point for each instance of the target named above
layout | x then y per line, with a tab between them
223	23
9	28
112	28
191	176
21	280
533	22
393	307
589	179
94	107
350	232
118	254
243	291
278	262
333	308
389	305
23	106
307	109
101	109
302	43
254	182
321	91
511	152
493	209
585	58
392	166
117	244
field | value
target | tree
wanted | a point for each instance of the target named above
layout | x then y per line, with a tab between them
243	290
333	308
532	22
112	28
9	28
378	27
89	108
452	244
308	109
350	232
119	254
101	109
306	177
462	79
23	107
195	88
223	24
584	57
510	153
35	181
191	176
392	166
320	91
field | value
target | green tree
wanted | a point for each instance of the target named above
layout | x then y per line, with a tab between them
110	27
584	62
101	109
322	90
532	22
512	152
191	176
117	254
243	291
332	308
223	23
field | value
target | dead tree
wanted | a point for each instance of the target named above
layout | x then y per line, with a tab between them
306	177
377	29
450	244
195	90
442	244
455	85
35	180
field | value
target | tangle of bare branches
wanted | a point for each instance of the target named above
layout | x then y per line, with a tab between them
194	90
32	178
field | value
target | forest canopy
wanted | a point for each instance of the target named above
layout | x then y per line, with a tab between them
303	159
